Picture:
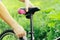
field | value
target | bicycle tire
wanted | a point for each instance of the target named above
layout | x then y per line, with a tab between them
2	35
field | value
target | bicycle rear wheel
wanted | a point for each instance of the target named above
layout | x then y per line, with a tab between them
8	35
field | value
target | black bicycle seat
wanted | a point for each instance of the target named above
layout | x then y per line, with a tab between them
31	11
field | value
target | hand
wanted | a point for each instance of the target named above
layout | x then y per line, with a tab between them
27	5
27	9
20	32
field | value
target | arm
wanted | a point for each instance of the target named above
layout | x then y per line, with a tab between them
4	14
27	3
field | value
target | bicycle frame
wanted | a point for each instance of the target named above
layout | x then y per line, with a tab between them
29	15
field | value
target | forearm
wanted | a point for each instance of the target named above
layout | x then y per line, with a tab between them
27	3
6	17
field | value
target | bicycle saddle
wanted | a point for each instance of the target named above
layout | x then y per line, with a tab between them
30	11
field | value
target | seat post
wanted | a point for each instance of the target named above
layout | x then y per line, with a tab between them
31	27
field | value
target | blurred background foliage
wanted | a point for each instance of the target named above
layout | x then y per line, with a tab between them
46	21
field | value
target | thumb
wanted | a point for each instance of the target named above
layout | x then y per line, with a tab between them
26	9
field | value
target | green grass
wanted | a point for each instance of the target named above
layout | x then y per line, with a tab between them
47	18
